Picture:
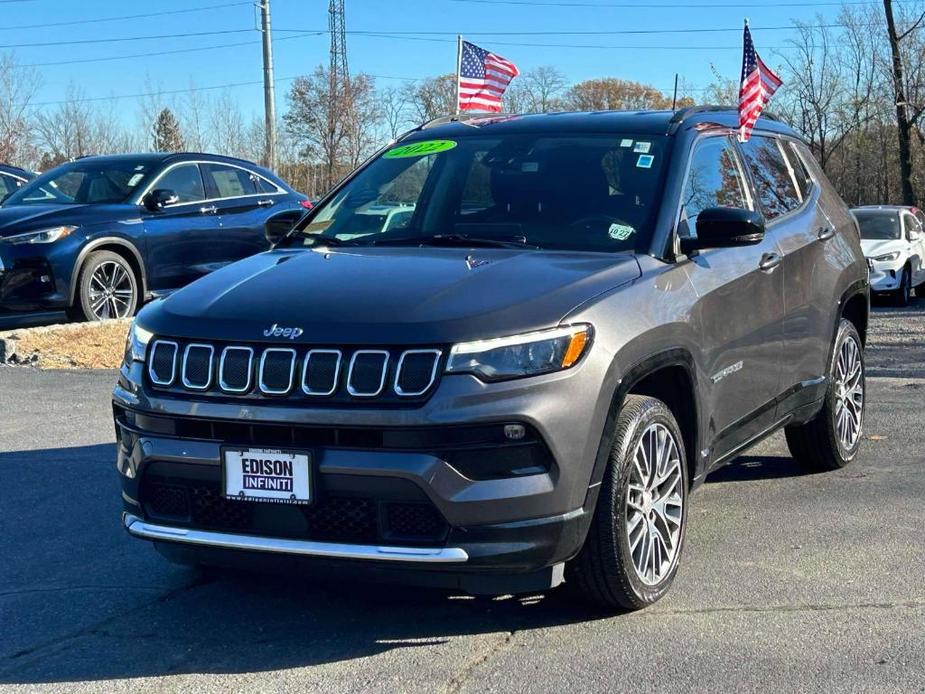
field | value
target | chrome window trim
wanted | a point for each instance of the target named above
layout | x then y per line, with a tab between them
183	378
433	374
308	356
14	176
277	545
263	358
221	369
150	186
173	370
385	369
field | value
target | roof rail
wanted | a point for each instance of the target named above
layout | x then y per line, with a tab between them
459	118
683	113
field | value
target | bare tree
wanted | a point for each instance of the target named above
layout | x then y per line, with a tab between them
433	97
18	86
394	108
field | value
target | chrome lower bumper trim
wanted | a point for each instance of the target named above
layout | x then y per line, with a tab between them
421	555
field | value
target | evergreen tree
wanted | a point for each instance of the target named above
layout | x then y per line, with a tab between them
167	135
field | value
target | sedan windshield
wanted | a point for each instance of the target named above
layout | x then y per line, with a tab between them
570	192
880	225
85	181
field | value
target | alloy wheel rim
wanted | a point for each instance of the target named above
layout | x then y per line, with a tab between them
654	504
849	394
111	291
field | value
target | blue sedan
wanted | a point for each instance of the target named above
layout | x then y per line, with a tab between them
98	236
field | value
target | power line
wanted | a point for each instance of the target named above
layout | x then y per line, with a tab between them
74	22
46	44
198	49
577	45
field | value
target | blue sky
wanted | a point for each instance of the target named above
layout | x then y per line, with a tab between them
640	57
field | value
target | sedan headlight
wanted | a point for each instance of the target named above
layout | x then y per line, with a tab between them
136	344
529	354
887	257
42	236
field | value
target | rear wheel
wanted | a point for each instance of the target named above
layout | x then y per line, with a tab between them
831	440
107	288
631	554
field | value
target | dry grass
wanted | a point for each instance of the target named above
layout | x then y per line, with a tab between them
71	346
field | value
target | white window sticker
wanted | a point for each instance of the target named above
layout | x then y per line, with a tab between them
530	166
133	181
620	232
626	143
642	147
645	161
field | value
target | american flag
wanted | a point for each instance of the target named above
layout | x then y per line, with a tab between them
483	77
758	86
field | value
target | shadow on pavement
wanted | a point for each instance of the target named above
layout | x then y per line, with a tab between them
80	600
749	468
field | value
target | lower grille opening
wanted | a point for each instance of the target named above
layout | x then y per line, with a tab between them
348	519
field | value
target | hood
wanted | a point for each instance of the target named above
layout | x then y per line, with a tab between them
872	247
18	219
388	295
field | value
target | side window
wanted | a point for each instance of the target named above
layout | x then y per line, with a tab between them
263	185
912	224
800	175
773	182
713	180
184	180
230	181
7	185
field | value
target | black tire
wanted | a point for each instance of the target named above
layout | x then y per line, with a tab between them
904	293
604	570
87	297
818	445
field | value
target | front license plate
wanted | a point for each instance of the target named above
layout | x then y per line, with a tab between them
267	474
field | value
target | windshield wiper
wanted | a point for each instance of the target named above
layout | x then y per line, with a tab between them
458	240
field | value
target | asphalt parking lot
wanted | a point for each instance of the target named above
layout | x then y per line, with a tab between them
789	581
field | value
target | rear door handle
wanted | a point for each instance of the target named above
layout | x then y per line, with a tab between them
265	203
769	261
825	233
211	209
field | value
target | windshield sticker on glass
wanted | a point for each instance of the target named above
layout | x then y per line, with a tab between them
620	232
626	143
642	147
133	181
645	161
530	166
420	149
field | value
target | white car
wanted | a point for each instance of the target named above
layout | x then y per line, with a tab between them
893	239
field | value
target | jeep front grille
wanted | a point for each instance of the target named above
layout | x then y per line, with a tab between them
308	374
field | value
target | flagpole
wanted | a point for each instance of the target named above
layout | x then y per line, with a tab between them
459	42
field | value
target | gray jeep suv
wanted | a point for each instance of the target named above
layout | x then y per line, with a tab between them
500	356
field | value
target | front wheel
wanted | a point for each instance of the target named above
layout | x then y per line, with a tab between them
107	288
904	293
631	554
832	438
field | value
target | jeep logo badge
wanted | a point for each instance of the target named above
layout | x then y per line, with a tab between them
276	331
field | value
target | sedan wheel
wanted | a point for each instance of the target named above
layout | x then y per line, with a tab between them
107	288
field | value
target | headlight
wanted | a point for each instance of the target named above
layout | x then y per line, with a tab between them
529	354
887	257
42	236
136	344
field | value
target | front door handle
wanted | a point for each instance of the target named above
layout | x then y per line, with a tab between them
769	261
265	203
211	209
825	233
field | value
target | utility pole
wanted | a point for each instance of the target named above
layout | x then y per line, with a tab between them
339	106
269	96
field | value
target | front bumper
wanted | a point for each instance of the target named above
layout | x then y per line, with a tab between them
28	280
501	534
886	277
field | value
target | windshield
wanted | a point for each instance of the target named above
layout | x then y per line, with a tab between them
878	226
84	181
570	192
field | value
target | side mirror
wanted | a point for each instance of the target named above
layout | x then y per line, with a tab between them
726	227
277	227
159	199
